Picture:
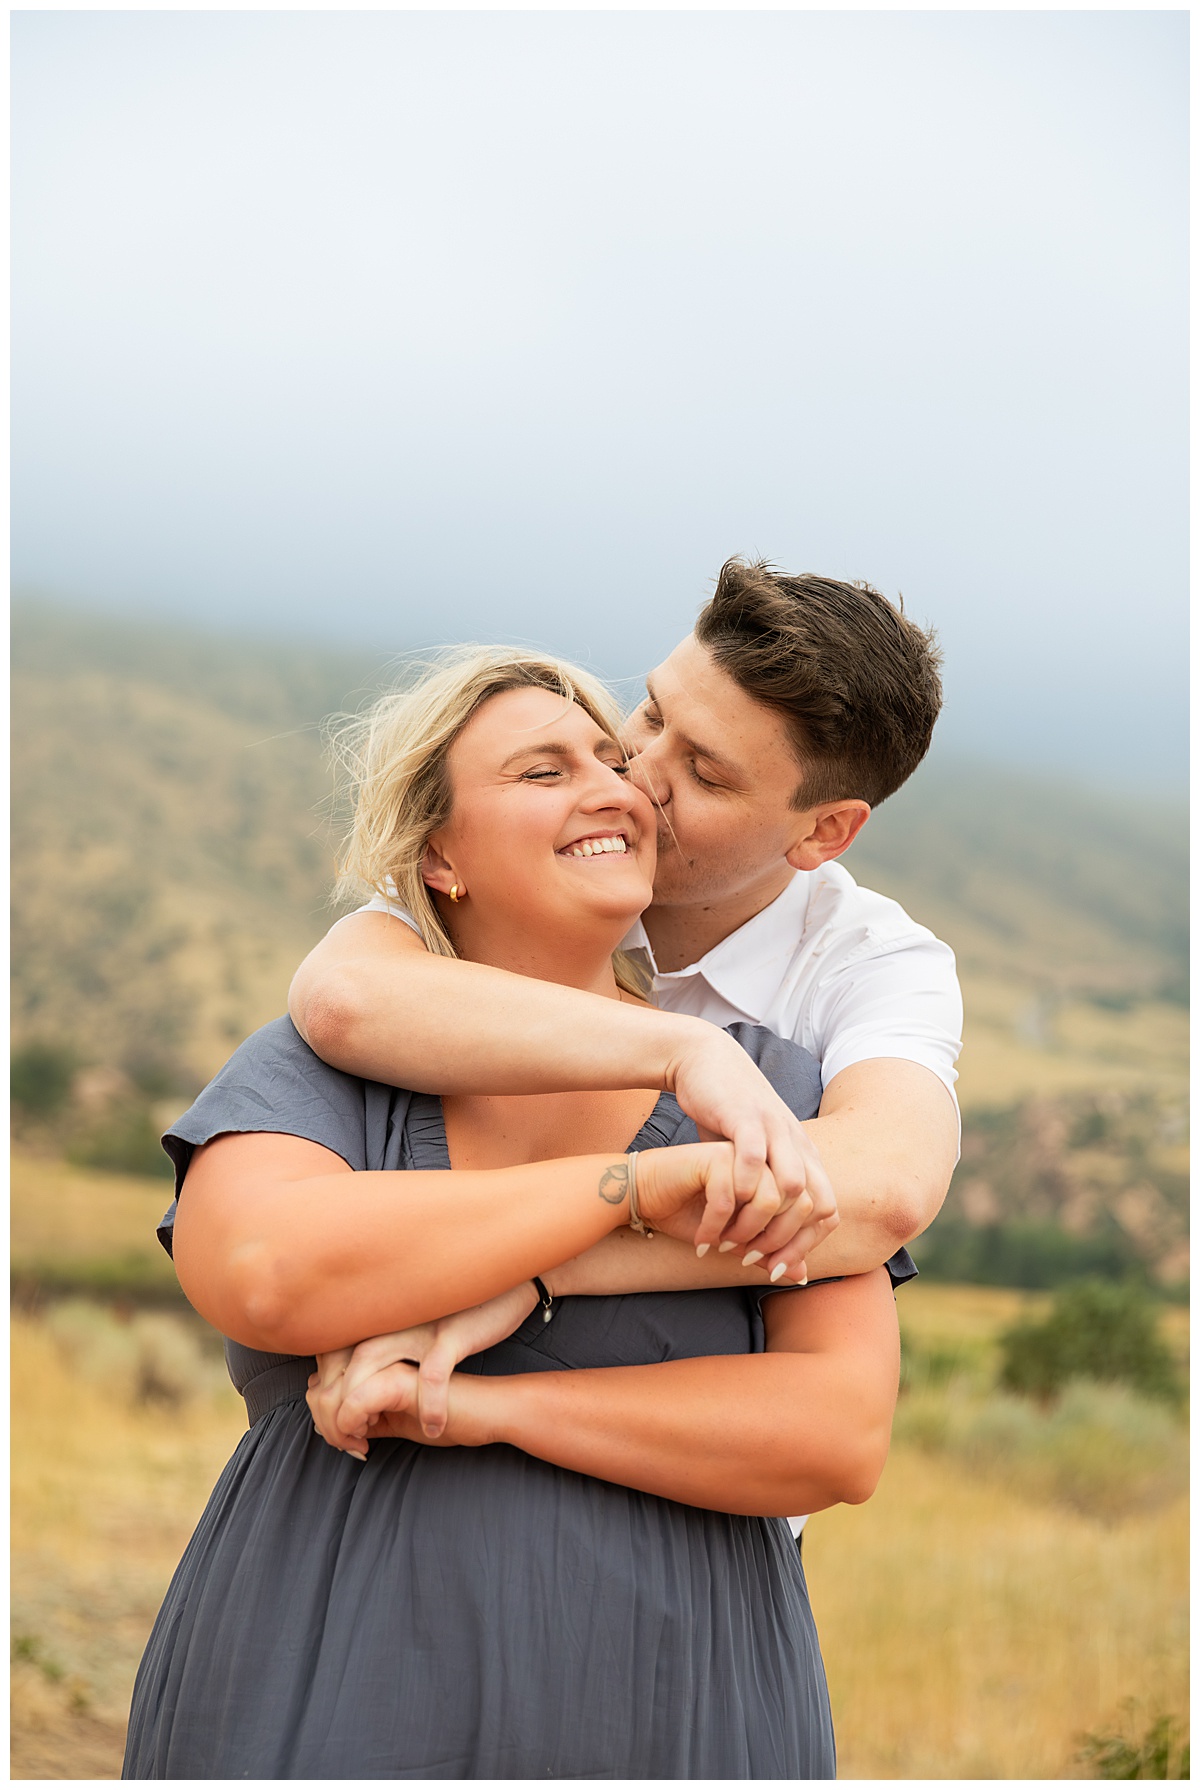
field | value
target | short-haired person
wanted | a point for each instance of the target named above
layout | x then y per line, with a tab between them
766	737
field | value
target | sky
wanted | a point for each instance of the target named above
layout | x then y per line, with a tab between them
400	327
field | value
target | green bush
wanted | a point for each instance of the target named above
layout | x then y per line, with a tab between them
154	1358
1094	1331
40	1077
125	1141
1103	1450
1020	1253
1160	1752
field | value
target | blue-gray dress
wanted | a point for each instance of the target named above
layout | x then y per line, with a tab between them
471	1612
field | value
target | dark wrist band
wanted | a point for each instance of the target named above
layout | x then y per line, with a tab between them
545	1295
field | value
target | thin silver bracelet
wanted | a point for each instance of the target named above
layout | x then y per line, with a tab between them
635	1217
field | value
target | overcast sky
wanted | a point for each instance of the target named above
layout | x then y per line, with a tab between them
402	327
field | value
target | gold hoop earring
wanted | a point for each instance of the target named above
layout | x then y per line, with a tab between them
454	896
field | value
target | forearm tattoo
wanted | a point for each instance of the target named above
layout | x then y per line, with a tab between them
614	1183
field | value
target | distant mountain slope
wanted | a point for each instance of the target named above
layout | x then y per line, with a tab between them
172	857
172	852
1038	878
171	846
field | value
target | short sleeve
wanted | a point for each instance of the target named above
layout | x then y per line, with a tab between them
272	1082
902	1001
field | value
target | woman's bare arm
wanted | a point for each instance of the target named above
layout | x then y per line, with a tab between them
282	1247
371	1000
804	1426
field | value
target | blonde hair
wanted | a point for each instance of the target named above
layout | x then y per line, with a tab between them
395	764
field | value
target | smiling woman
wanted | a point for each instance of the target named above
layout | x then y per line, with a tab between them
578	1564
563	789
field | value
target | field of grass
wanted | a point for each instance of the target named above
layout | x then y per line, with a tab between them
975	1619
78	1230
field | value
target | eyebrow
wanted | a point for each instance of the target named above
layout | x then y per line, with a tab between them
555	749
698	749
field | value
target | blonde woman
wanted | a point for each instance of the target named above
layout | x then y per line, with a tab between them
587	1573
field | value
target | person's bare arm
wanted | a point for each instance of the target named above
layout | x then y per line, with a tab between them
624	1260
370	1000
888	1136
804	1426
282	1247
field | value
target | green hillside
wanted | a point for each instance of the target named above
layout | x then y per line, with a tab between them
172	856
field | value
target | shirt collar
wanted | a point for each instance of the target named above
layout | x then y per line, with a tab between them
746	968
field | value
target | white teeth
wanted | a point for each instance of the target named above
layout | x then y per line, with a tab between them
589	848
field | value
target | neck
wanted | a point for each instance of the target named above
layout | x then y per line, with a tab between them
572	963
681	933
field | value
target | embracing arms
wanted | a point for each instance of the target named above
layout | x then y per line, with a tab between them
282	1247
371	1000
801	1427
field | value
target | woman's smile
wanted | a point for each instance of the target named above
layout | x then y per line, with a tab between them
595	845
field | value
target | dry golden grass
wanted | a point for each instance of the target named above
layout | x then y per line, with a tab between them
79	1213
967	1631
104	1497
1010	1052
969	1634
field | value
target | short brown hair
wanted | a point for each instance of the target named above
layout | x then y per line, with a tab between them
855	680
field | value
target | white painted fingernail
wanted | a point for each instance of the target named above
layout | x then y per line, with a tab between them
804	1281
724	1248
354	1456
777	1270
702	1249
755	1255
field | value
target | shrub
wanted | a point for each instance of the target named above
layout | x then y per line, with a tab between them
40	1077
156	1358
1019	1253
1160	1752
1101	1450
124	1141
1095	1331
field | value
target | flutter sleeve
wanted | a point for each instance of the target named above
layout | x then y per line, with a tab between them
274	1082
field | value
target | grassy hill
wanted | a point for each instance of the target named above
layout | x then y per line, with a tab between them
171	843
172	855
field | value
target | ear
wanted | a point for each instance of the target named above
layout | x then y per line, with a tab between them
436	871
830	830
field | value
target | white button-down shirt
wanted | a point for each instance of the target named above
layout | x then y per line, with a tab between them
841	970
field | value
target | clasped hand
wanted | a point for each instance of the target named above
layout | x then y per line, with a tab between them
399	1383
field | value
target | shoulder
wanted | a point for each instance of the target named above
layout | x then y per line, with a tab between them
851	929
275	1082
276	1056
793	1072
843	910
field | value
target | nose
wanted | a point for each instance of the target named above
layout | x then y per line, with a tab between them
609	790
646	769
